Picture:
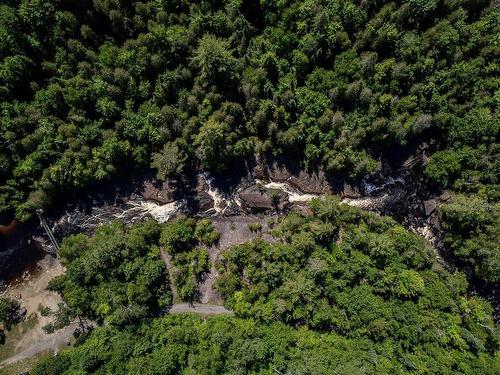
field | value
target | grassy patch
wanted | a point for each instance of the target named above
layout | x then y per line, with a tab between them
15	334
255	227
22	365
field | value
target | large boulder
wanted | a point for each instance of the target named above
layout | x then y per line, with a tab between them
445	196
161	193
429	206
204	201
273	172
256	199
350	191
310	183
201	183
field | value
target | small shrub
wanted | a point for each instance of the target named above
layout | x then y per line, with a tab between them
255	227
44	310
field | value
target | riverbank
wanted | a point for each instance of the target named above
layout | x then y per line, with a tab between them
28	338
265	193
266	187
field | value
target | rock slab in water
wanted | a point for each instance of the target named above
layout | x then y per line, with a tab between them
255	199
349	191
315	183
274	172
308	183
429	206
162	194
204	201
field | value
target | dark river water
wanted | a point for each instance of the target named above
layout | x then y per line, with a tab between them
19	253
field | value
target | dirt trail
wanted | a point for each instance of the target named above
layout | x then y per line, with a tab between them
42	344
167	258
199	308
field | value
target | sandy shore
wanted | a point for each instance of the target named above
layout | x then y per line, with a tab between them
28	338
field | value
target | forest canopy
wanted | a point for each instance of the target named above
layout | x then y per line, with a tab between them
94	90
116	276
341	291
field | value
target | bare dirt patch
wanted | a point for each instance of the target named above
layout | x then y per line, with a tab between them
199	308
234	230
28	339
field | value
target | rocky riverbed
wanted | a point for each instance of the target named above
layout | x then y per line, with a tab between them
266	189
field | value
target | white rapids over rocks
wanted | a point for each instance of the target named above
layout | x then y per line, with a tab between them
373	189
161	213
294	195
221	200
366	203
135	207
132	210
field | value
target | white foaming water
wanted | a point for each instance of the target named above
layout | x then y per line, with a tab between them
366	203
293	194
161	213
373	189
426	232
221	203
141	209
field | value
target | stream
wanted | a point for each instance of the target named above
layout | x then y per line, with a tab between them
20	251
269	193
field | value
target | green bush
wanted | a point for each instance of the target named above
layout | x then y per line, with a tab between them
472	229
206	233
116	275
255	227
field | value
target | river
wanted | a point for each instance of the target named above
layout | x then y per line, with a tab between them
22	246
19	252
21	249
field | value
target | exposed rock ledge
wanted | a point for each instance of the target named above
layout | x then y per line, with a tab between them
308	183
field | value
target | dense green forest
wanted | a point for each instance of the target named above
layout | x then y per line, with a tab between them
342	291
96	90
116	276
472	233
91	89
